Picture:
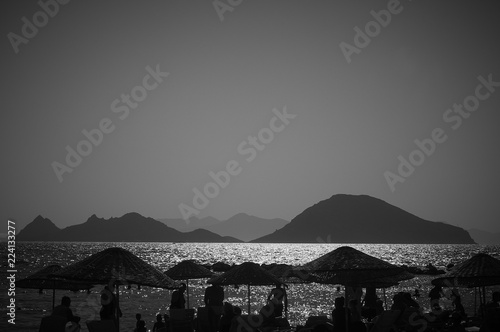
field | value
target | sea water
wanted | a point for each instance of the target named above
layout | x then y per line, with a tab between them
304	299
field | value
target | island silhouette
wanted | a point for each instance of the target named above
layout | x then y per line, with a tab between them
339	219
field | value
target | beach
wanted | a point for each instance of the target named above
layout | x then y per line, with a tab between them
304	299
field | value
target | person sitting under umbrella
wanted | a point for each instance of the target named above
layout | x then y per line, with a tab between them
491	320
278	297
178	301
63	310
214	298
109	304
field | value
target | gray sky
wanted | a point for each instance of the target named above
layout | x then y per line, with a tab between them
353	119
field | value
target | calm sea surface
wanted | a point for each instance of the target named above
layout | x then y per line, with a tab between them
304	299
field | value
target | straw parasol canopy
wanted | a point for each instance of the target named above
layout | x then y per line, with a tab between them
115	267
247	273
186	270
42	279
350	267
480	270
118	266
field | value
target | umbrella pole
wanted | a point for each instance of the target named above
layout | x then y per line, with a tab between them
346	308
385	300
117	308
53	294
187	291
475	301
248	299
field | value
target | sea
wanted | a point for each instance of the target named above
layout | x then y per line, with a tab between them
304	299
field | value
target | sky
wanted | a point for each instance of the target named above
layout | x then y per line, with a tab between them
120	106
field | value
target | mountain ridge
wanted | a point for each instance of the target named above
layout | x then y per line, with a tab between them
363	219
131	227
241	225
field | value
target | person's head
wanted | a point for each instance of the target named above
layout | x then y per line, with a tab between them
158	318
66	301
237	311
138	316
183	287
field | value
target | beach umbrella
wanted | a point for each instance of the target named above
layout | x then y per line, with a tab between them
186	270
480	270
42	279
247	273
115	267
350	267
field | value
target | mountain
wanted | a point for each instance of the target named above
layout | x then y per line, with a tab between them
484	237
241	226
39	228
247	227
191	224
363	219
131	227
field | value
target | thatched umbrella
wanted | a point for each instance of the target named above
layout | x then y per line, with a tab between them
115	267
247	273
480	270
350	267
43	280
186	270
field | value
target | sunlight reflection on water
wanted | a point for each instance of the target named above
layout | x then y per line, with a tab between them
304	299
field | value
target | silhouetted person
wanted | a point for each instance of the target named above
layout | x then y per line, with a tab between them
63	310
227	317
235	323
139	323
109	309
434	295
409	301
369	308
214	299
279	300
355	293
159	323
355	322
339	315
268	318
398	302
491	321
141	326
178	301
458	307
